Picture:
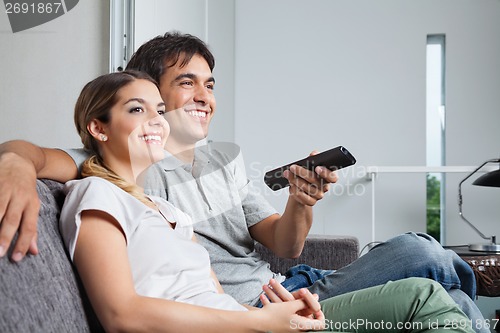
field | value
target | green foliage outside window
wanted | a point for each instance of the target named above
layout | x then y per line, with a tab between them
433	207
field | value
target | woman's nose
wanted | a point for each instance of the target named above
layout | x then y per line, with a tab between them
153	118
158	120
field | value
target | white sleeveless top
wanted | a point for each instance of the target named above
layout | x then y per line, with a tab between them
165	262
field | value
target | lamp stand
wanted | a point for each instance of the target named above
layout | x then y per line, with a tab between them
489	247
484	247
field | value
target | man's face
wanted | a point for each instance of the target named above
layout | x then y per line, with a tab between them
189	100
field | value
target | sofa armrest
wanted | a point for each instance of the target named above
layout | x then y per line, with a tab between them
320	251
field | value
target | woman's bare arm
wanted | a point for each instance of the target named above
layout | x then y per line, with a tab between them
102	262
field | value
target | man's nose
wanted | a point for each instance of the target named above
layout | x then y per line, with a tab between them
201	95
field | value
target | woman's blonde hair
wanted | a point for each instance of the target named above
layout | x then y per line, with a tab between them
95	102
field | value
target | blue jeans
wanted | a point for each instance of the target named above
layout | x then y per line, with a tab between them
303	276
407	255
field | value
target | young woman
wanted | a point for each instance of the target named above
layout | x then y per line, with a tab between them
141	266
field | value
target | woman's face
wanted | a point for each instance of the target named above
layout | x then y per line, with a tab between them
137	132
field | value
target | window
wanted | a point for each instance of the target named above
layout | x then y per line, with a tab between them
435	136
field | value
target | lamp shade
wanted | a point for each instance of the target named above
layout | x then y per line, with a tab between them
489	179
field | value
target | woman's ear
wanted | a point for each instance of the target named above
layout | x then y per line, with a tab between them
96	129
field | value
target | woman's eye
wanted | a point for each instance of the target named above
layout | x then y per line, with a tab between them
136	109
161	112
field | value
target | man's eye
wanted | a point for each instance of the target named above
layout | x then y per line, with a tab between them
161	112
210	86
186	83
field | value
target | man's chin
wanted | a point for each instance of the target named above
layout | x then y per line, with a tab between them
197	139
200	134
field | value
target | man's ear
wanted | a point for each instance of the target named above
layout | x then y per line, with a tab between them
96	129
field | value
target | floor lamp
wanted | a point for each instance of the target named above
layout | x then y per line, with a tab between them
491	179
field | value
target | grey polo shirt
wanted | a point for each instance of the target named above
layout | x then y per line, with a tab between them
223	204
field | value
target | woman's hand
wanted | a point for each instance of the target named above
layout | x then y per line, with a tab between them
307	314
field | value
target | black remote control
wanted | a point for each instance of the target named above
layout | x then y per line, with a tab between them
333	159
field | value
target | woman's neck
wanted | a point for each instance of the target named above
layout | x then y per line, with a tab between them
129	173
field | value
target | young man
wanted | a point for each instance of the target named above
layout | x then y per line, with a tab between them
211	186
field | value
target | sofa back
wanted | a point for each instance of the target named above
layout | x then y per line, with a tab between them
42	293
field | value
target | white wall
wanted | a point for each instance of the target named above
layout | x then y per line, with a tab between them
293	76
44	69
213	22
317	74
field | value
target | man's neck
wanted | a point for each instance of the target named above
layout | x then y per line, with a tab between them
183	152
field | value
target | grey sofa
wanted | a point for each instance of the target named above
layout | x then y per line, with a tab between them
43	293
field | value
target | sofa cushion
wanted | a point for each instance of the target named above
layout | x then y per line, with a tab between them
41	293
320	251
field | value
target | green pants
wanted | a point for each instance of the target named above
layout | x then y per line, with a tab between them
410	305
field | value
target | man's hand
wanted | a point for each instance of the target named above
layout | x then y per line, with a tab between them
19	206
285	235
306	186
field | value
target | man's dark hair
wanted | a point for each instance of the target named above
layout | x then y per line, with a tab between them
162	52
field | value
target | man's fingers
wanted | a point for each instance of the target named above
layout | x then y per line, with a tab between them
27	239
326	174
305	174
302	197
307	181
23	219
8	228
24	242
33	249
19	205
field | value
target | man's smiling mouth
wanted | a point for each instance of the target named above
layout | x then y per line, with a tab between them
199	114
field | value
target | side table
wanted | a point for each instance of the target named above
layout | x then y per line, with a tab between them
486	267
